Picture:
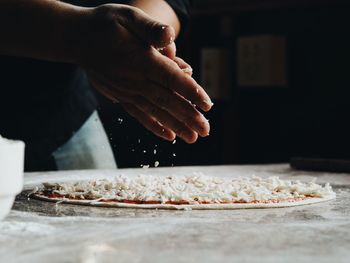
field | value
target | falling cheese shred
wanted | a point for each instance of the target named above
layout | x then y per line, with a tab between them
193	189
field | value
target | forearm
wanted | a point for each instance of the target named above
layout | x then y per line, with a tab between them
160	11
38	29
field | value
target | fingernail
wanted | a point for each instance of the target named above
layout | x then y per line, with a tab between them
209	103
207	132
188	70
202	128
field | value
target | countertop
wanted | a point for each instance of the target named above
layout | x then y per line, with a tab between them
37	231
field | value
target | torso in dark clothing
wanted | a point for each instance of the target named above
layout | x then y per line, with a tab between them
43	104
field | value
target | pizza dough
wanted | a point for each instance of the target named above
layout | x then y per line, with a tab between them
196	191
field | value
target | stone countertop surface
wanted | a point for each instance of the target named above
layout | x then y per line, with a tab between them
38	231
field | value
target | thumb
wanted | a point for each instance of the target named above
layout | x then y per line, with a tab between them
146	28
169	51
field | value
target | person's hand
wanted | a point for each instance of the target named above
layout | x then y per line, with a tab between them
170	52
117	46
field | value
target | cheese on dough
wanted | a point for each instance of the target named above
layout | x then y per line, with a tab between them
196	188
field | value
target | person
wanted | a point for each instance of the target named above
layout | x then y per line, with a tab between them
51	51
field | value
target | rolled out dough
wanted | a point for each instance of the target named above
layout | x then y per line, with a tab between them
195	191
187	207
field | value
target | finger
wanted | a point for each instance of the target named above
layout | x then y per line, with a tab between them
149	123
187	120
169	51
181	129
167	73
145	27
178	107
146	120
103	90
185	67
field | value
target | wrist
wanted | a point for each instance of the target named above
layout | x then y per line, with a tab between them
85	32
69	30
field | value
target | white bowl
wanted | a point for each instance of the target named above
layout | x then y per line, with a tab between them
11	173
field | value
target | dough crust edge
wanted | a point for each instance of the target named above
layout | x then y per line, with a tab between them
311	200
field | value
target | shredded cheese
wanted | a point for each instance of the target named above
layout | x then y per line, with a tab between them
194	189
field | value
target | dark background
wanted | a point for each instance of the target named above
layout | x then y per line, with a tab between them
309	117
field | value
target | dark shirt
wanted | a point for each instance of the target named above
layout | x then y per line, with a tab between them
44	103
